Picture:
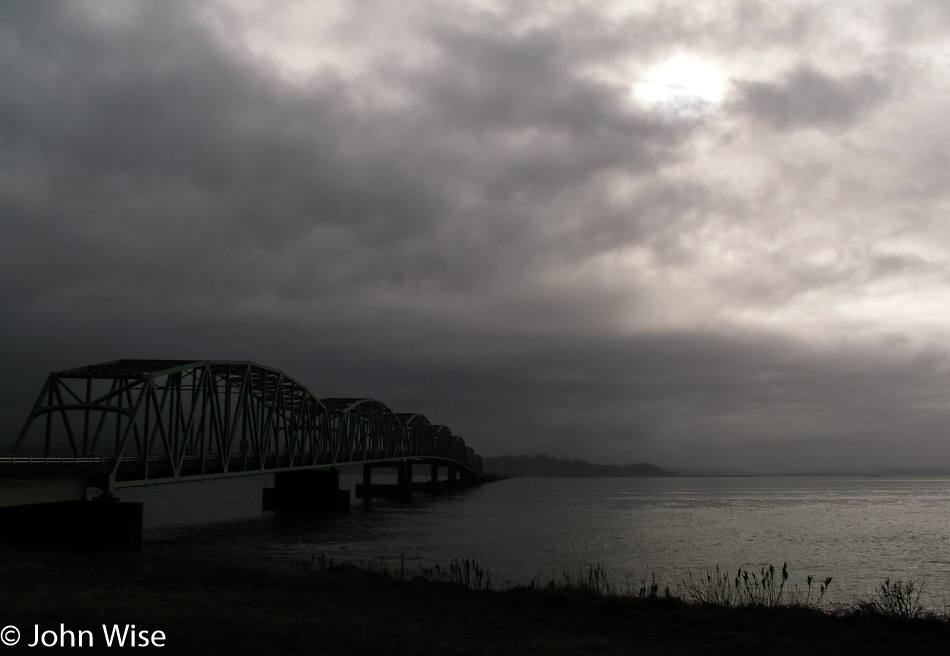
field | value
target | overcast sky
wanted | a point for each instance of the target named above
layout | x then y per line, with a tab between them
694	234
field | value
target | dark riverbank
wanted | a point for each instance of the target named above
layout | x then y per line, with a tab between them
212	604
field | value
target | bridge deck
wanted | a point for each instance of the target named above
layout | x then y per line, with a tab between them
133	472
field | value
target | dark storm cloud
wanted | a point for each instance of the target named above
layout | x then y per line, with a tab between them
695	392
157	177
809	98
532	142
240	192
161	154
493	233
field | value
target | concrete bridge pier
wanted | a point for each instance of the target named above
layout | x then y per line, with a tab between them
433	485
401	490
459	479
452	481
306	491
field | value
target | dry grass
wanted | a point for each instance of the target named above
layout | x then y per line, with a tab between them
214	604
766	589
898	600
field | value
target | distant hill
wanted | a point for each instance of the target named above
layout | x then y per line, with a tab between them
543	465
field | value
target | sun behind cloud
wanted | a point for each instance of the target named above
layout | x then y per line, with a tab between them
684	84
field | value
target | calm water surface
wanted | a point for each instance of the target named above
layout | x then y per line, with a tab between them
858	530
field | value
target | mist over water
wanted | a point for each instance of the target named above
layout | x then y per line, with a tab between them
857	530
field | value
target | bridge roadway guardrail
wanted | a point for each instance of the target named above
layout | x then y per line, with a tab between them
134	471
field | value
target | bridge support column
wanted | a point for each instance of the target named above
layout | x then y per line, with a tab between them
367	477
306	491
401	490
461	478
404	475
452	481
433	485
100	524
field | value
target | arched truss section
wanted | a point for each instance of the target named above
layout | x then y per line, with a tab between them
443	441
364	429
473	460
156	420
419	433
458	449
452	447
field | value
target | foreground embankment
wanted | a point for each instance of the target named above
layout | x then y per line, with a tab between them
215	604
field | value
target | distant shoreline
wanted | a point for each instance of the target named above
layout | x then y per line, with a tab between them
542	465
548	466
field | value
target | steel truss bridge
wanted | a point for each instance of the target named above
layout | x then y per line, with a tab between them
141	422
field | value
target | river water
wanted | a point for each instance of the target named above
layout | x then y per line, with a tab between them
857	530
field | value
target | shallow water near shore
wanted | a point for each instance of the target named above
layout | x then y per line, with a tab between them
858	530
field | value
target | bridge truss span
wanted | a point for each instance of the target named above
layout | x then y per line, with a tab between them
139	422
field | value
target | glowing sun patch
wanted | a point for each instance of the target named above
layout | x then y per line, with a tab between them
682	84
